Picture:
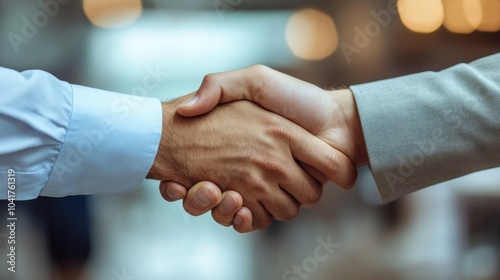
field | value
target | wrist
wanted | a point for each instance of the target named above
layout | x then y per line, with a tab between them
351	125
161	165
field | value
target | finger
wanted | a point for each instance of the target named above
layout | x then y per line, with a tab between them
230	204
282	206
302	187
172	191
318	176
202	198
261	218
322	157
242	222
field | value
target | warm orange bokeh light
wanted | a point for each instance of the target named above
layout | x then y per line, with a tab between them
311	34
473	12
424	16
491	16
462	16
112	13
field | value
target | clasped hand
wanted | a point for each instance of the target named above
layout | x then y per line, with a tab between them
249	163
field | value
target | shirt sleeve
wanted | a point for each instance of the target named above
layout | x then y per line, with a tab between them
62	139
431	127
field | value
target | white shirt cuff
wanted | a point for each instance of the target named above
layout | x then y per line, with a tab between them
110	146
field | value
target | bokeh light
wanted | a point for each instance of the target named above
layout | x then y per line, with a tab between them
311	34
491	16
112	13
473	12
462	16
424	16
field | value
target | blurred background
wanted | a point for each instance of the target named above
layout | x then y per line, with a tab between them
450	231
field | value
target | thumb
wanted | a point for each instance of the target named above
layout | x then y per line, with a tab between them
220	88
205	99
298	101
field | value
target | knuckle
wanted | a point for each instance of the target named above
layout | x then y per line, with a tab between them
223	179
258	185
290	213
263	222
261	183
274	165
259	68
314	195
276	127
259	84
209	78
332	161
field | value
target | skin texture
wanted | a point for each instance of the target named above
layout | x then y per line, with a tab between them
241	147
330	115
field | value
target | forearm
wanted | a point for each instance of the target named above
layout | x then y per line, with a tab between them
110	144
63	139
430	127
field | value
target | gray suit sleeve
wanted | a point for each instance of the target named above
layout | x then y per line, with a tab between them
431	127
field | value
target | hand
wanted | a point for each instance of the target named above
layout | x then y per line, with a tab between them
243	148
227	208
330	115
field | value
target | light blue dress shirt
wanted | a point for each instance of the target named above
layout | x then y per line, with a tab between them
62	139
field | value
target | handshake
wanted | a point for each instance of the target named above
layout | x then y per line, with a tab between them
263	153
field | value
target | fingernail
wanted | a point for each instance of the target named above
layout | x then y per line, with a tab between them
228	205
238	219
174	193
190	102
204	197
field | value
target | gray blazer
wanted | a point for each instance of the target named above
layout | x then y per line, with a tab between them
431	127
